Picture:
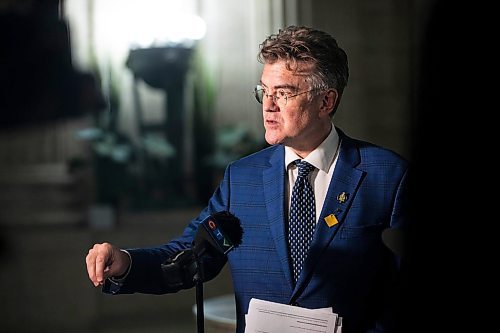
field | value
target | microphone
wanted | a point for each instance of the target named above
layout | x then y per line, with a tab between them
217	234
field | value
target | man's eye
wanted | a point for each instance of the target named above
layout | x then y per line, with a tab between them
282	93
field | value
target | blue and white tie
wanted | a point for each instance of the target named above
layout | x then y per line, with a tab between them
302	217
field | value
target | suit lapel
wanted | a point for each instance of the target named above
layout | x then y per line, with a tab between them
342	190
274	193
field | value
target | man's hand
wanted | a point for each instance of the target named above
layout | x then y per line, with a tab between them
105	260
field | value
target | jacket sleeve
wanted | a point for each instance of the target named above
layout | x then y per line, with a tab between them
146	275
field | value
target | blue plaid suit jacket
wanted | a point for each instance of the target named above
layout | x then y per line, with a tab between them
348	267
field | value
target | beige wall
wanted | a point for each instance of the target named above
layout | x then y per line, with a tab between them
382	41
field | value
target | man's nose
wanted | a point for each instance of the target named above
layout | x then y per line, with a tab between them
269	103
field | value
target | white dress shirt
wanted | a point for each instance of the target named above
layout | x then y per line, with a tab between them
324	158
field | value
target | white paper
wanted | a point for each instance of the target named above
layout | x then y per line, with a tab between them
339	325
270	317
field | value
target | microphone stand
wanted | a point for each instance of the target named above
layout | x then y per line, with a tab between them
198	279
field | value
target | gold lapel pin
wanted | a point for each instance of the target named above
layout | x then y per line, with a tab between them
331	220
342	197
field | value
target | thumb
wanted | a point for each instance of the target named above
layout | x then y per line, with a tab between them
118	264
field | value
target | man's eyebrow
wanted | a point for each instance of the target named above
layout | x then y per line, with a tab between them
281	86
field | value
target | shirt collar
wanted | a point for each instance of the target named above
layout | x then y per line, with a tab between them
322	157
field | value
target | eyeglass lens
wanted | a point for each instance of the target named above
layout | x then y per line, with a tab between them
258	91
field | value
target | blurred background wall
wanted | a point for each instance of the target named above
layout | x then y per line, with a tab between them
99	98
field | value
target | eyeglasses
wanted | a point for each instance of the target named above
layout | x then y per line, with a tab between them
280	97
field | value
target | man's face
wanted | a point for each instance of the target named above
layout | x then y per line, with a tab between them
300	123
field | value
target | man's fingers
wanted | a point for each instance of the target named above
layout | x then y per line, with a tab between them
100	265
90	261
97	262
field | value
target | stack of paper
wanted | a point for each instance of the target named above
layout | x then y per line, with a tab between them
270	317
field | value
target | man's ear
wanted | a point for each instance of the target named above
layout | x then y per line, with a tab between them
329	101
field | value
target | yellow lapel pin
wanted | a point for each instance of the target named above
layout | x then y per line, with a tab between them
331	220
342	197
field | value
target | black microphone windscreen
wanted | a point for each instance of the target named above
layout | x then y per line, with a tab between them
222	230
217	234
230	227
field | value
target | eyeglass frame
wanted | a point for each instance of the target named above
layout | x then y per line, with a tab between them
275	97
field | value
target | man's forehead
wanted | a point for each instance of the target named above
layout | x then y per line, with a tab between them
278	71
295	67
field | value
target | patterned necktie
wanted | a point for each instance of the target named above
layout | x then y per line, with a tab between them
302	217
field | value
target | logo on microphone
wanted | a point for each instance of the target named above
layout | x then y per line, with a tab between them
216	232
218	236
212	224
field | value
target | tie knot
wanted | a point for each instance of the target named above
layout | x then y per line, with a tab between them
304	167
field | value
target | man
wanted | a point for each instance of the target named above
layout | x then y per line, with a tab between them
355	191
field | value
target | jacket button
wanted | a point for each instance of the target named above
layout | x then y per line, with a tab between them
295	303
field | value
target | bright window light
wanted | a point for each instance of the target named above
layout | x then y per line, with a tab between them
147	23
